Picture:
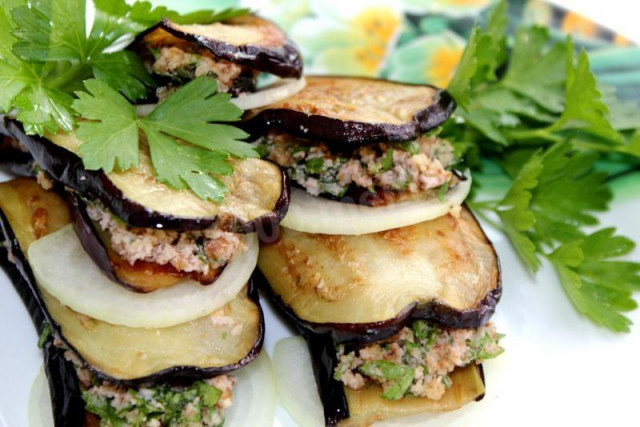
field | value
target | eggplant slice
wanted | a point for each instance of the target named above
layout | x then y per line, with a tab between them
365	288
346	112
122	355
142	276
258	197
246	40
347	407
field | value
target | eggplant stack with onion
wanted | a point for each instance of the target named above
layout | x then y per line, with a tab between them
379	264
146	289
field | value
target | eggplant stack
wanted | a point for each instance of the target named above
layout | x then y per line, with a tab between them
146	290
380	265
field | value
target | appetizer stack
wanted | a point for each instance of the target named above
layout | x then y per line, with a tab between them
142	288
379	264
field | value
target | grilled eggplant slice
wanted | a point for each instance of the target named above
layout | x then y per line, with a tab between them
364	288
124	355
248	40
258	198
346	112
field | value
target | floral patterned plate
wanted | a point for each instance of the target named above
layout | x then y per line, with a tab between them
558	367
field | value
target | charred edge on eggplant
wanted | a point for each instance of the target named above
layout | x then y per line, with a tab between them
283	61
17	162
14	160
95	247
349	135
324	360
174	374
66	397
66	167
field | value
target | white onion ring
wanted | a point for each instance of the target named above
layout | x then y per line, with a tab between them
254	395
296	383
271	94
312	214
40	409
63	268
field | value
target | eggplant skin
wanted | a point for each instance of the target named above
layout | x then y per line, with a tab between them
66	397
67	168
25	284
344	135
324	360
282	61
17	162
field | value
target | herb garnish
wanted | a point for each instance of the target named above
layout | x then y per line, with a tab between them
46	53
545	122
112	136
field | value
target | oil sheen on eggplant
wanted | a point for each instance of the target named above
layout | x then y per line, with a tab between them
258	197
246	40
141	276
364	288
346	112
111	352
347	407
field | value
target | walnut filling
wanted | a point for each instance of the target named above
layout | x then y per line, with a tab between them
410	167
418	360
193	251
200	404
182	66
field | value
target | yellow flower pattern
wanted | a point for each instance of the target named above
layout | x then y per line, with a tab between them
443	65
379	25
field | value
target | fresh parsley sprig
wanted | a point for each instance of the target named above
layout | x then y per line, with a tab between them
186	147
546	122
46	53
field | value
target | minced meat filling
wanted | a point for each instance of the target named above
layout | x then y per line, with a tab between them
201	404
192	251
184	66
413	166
418	360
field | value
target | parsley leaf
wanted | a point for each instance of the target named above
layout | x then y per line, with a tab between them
123	70
599	288
187	115
111	135
546	123
50	30
141	15
515	214
535	73
460	84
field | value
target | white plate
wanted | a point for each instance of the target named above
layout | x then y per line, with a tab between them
558	367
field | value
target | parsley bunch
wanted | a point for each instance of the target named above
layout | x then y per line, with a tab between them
45	55
540	114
